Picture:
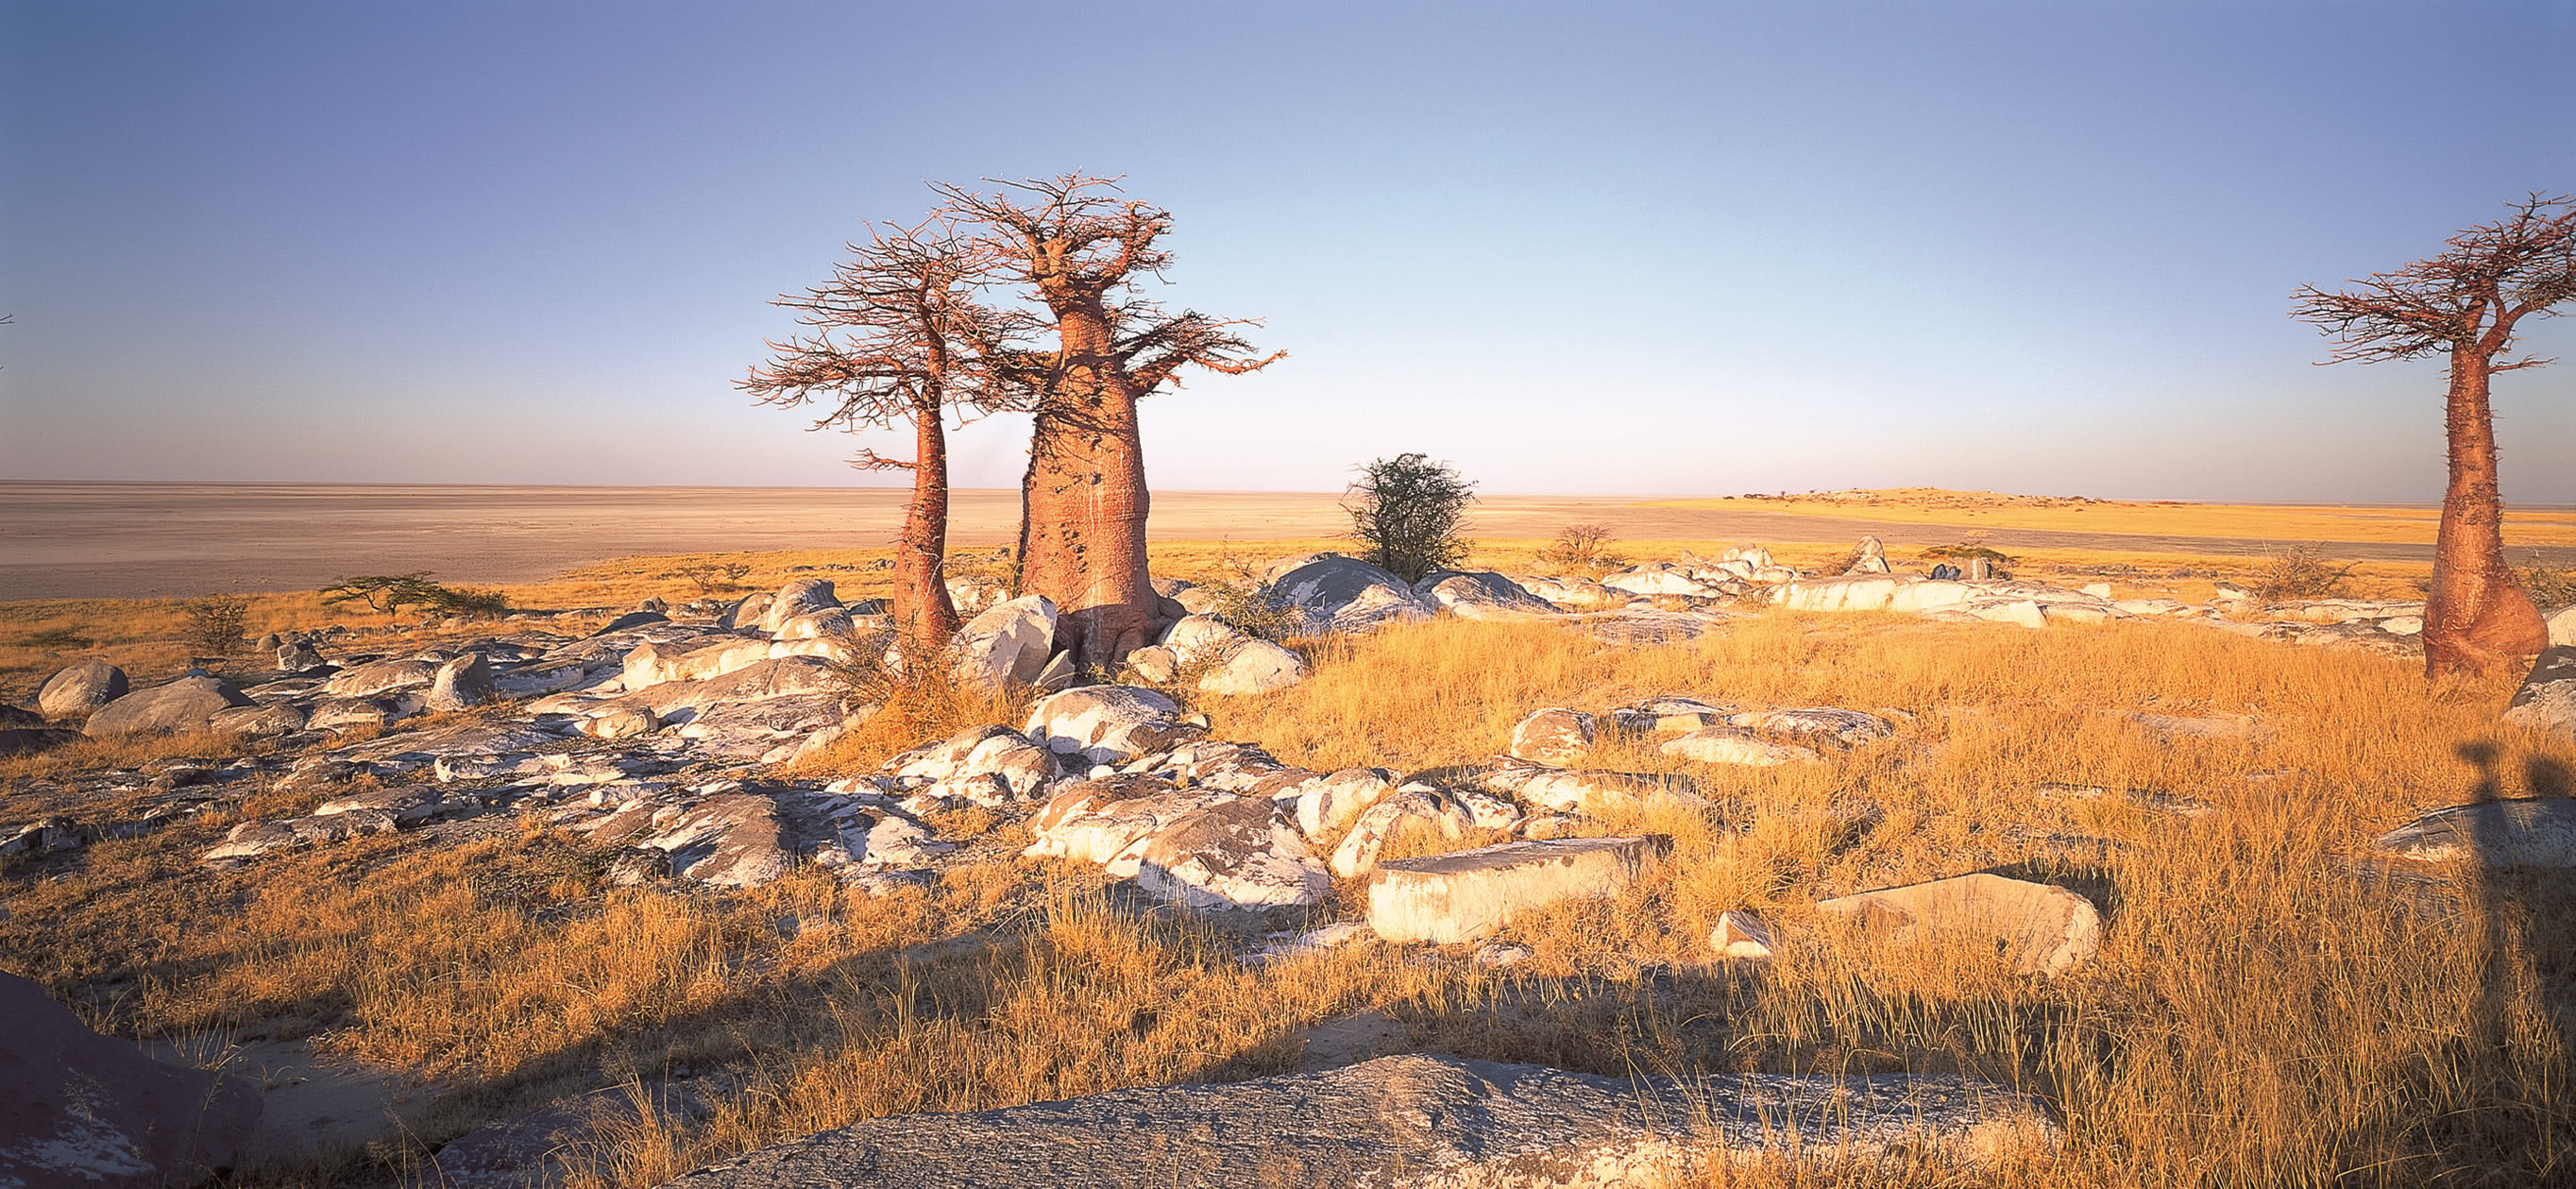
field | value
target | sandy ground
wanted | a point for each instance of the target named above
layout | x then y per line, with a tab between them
83	540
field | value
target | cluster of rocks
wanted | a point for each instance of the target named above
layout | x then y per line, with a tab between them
2392	628
1327	592
1706	732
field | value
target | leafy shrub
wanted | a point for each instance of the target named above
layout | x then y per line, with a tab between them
1408	511
2299	572
390	593
215	624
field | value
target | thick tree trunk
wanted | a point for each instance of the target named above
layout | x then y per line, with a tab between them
925	618
2477	617
1083	532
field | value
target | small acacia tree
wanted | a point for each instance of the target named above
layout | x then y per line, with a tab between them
1082	253
2465	303
1408	510
898	334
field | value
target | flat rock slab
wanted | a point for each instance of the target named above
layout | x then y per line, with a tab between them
1469	894
2531	832
2037	928
78	1108
1407	1121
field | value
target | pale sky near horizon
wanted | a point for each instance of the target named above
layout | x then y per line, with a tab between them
2039	247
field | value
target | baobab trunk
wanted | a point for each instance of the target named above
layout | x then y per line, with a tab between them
925	617
2477	616
1082	535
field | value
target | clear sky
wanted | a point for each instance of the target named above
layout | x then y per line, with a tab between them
2041	246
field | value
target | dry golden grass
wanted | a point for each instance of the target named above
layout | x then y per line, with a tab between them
1980	509
2259	1015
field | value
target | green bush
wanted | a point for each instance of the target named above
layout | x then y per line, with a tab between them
1408	511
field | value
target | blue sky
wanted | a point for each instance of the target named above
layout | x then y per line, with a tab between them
2040	246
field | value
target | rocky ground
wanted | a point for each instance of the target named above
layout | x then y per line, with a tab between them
666	740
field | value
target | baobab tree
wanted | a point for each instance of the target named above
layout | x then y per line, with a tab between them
1083	252
2466	303
899	334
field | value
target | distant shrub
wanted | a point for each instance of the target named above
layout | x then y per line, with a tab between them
390	593
2550	586
2300	572
716	579
215	624
1408	511
1582	547
1998	564
54	638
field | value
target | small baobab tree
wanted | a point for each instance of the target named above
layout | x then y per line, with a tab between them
2465	303
1082	253
899	335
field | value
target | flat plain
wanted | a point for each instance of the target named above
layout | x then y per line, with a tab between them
160	540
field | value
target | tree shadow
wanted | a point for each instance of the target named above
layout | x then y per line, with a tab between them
2519	1042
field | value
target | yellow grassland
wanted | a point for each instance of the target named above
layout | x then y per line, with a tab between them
2254	522
2261	1014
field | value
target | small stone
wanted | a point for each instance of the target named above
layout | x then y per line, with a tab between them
1741	935
1556	736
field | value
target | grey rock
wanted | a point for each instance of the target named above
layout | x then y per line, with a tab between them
1007	644
735	840
81	688
1668	712
2526	832
798	597
2547	699
632	619
1480	595
1850	728
78	1108
1345	594
187	704
259	722
368	680
1242	853
1470	894
462	683
1254	667
1555	736
1107	724
2036	928
1407	1122
295	656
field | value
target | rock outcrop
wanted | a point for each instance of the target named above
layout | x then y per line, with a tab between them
2547	699
2526	832
2036	928
1470	894
1332	593
80	1109
187	704
1408	1122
